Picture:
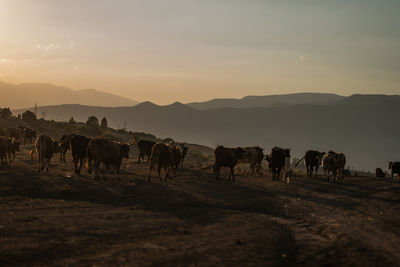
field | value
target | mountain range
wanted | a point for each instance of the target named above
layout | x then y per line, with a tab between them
267	100
364	127
26	94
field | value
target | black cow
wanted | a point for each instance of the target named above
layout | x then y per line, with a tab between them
227	157
313	159
145	147
78	146
277	159
379	173
395	169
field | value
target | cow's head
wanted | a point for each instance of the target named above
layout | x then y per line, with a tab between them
125	150
390	165
320	156
286	152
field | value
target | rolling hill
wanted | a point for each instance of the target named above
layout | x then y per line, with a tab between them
26	94
361	126
265	101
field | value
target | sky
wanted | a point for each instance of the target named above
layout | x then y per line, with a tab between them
194	50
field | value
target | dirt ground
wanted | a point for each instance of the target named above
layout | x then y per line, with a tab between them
63	219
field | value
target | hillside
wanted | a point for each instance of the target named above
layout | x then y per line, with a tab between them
26	94
361	126
265	101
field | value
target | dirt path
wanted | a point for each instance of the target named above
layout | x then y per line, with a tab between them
194	219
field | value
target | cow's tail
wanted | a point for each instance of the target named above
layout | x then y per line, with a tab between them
299	162
32	153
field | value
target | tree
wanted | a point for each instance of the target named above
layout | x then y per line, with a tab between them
5	113
71	120
92	121
104	123
29	117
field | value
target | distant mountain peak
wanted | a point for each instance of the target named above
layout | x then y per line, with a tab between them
25	95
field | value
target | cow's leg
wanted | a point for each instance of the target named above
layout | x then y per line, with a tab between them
159	172
279	173
80	164
47	162
252	166
316	172
232	174
40	162
96	169
139	157
150	168
216	170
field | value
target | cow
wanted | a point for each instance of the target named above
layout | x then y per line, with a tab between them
268	160
45	148
102	150
379	173
335	163
28	134
10	146
184	150
227	157
161	155
145	148
394	167
64	146
277	159
78	146
313	159
8	149
176	158
16	133
4	157
252	156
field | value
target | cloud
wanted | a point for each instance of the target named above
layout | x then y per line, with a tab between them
6	61
302	58
47	47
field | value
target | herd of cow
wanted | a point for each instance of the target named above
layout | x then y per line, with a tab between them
168	157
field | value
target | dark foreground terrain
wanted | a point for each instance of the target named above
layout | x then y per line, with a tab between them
61	219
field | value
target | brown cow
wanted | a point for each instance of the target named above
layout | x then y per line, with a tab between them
10	146
252	156
176	158
145	148
45	147
161	155
4	157
102	150
64	146
79	144
227	157
335	163
28	134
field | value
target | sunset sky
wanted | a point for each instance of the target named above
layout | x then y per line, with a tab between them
195	50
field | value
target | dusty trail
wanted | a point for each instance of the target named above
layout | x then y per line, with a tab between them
54	219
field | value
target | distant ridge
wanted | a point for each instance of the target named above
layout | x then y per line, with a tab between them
26	94
267	100
361	126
